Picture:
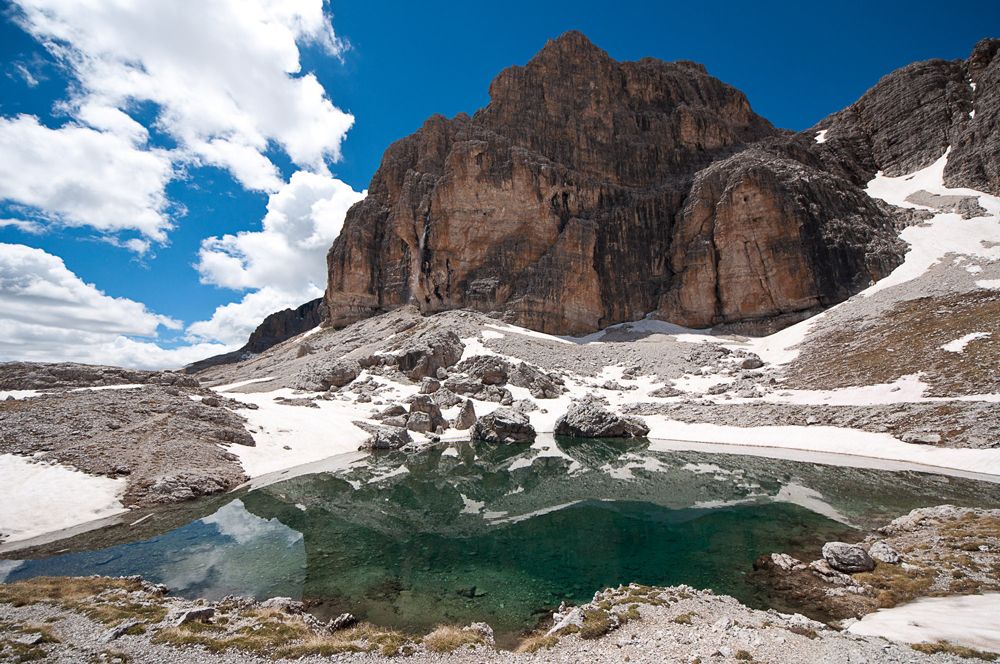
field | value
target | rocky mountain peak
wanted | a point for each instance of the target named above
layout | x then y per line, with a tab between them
590	192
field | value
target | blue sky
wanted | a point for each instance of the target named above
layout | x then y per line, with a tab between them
388	65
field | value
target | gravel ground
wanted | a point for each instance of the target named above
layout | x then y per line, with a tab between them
681	625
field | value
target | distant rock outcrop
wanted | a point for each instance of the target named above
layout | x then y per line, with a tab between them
279	326
590	192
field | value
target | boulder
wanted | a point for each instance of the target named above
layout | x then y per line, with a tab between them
446	398
589	419
181	616
463	385
343	621
426	406
283	604
429	385
391	411
466	417
504	425
419	422
847	558
327	375
429	351
120	629
383	437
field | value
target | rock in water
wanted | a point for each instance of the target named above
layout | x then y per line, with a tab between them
504	425
466	417
584	195
847	558
589	419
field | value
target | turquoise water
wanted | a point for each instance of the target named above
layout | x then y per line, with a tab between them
502	534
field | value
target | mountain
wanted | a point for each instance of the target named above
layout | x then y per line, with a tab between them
277	327
591	192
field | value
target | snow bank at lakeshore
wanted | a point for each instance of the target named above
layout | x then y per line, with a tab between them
292	435
40	498
972	621
829	440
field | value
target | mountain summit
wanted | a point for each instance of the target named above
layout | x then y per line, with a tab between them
591	192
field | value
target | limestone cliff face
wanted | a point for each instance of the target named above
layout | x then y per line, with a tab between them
911	116
763	235
585	194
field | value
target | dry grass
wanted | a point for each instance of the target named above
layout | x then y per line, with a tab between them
914	331
11	649
596	623
895	585
447	638
952	649
536	643
280	635
103	599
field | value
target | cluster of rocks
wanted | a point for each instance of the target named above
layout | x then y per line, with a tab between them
424	354
165	439
935	550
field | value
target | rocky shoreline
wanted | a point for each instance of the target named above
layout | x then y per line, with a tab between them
939	551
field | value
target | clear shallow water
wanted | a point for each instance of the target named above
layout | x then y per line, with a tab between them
501	534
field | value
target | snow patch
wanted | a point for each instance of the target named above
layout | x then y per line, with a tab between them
993	284
826	439
965	620
241	383
289	435
821	135
958	345
19	394
946	233
102	388
38	498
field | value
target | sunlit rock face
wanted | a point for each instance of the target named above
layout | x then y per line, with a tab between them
579	197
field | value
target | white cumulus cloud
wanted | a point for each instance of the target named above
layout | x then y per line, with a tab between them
77	176
225	74
50	314
284	264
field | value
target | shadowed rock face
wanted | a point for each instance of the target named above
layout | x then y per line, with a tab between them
911	116
567	205
278	327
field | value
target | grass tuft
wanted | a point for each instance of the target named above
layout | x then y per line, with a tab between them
447	638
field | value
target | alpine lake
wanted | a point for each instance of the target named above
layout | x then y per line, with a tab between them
467	532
